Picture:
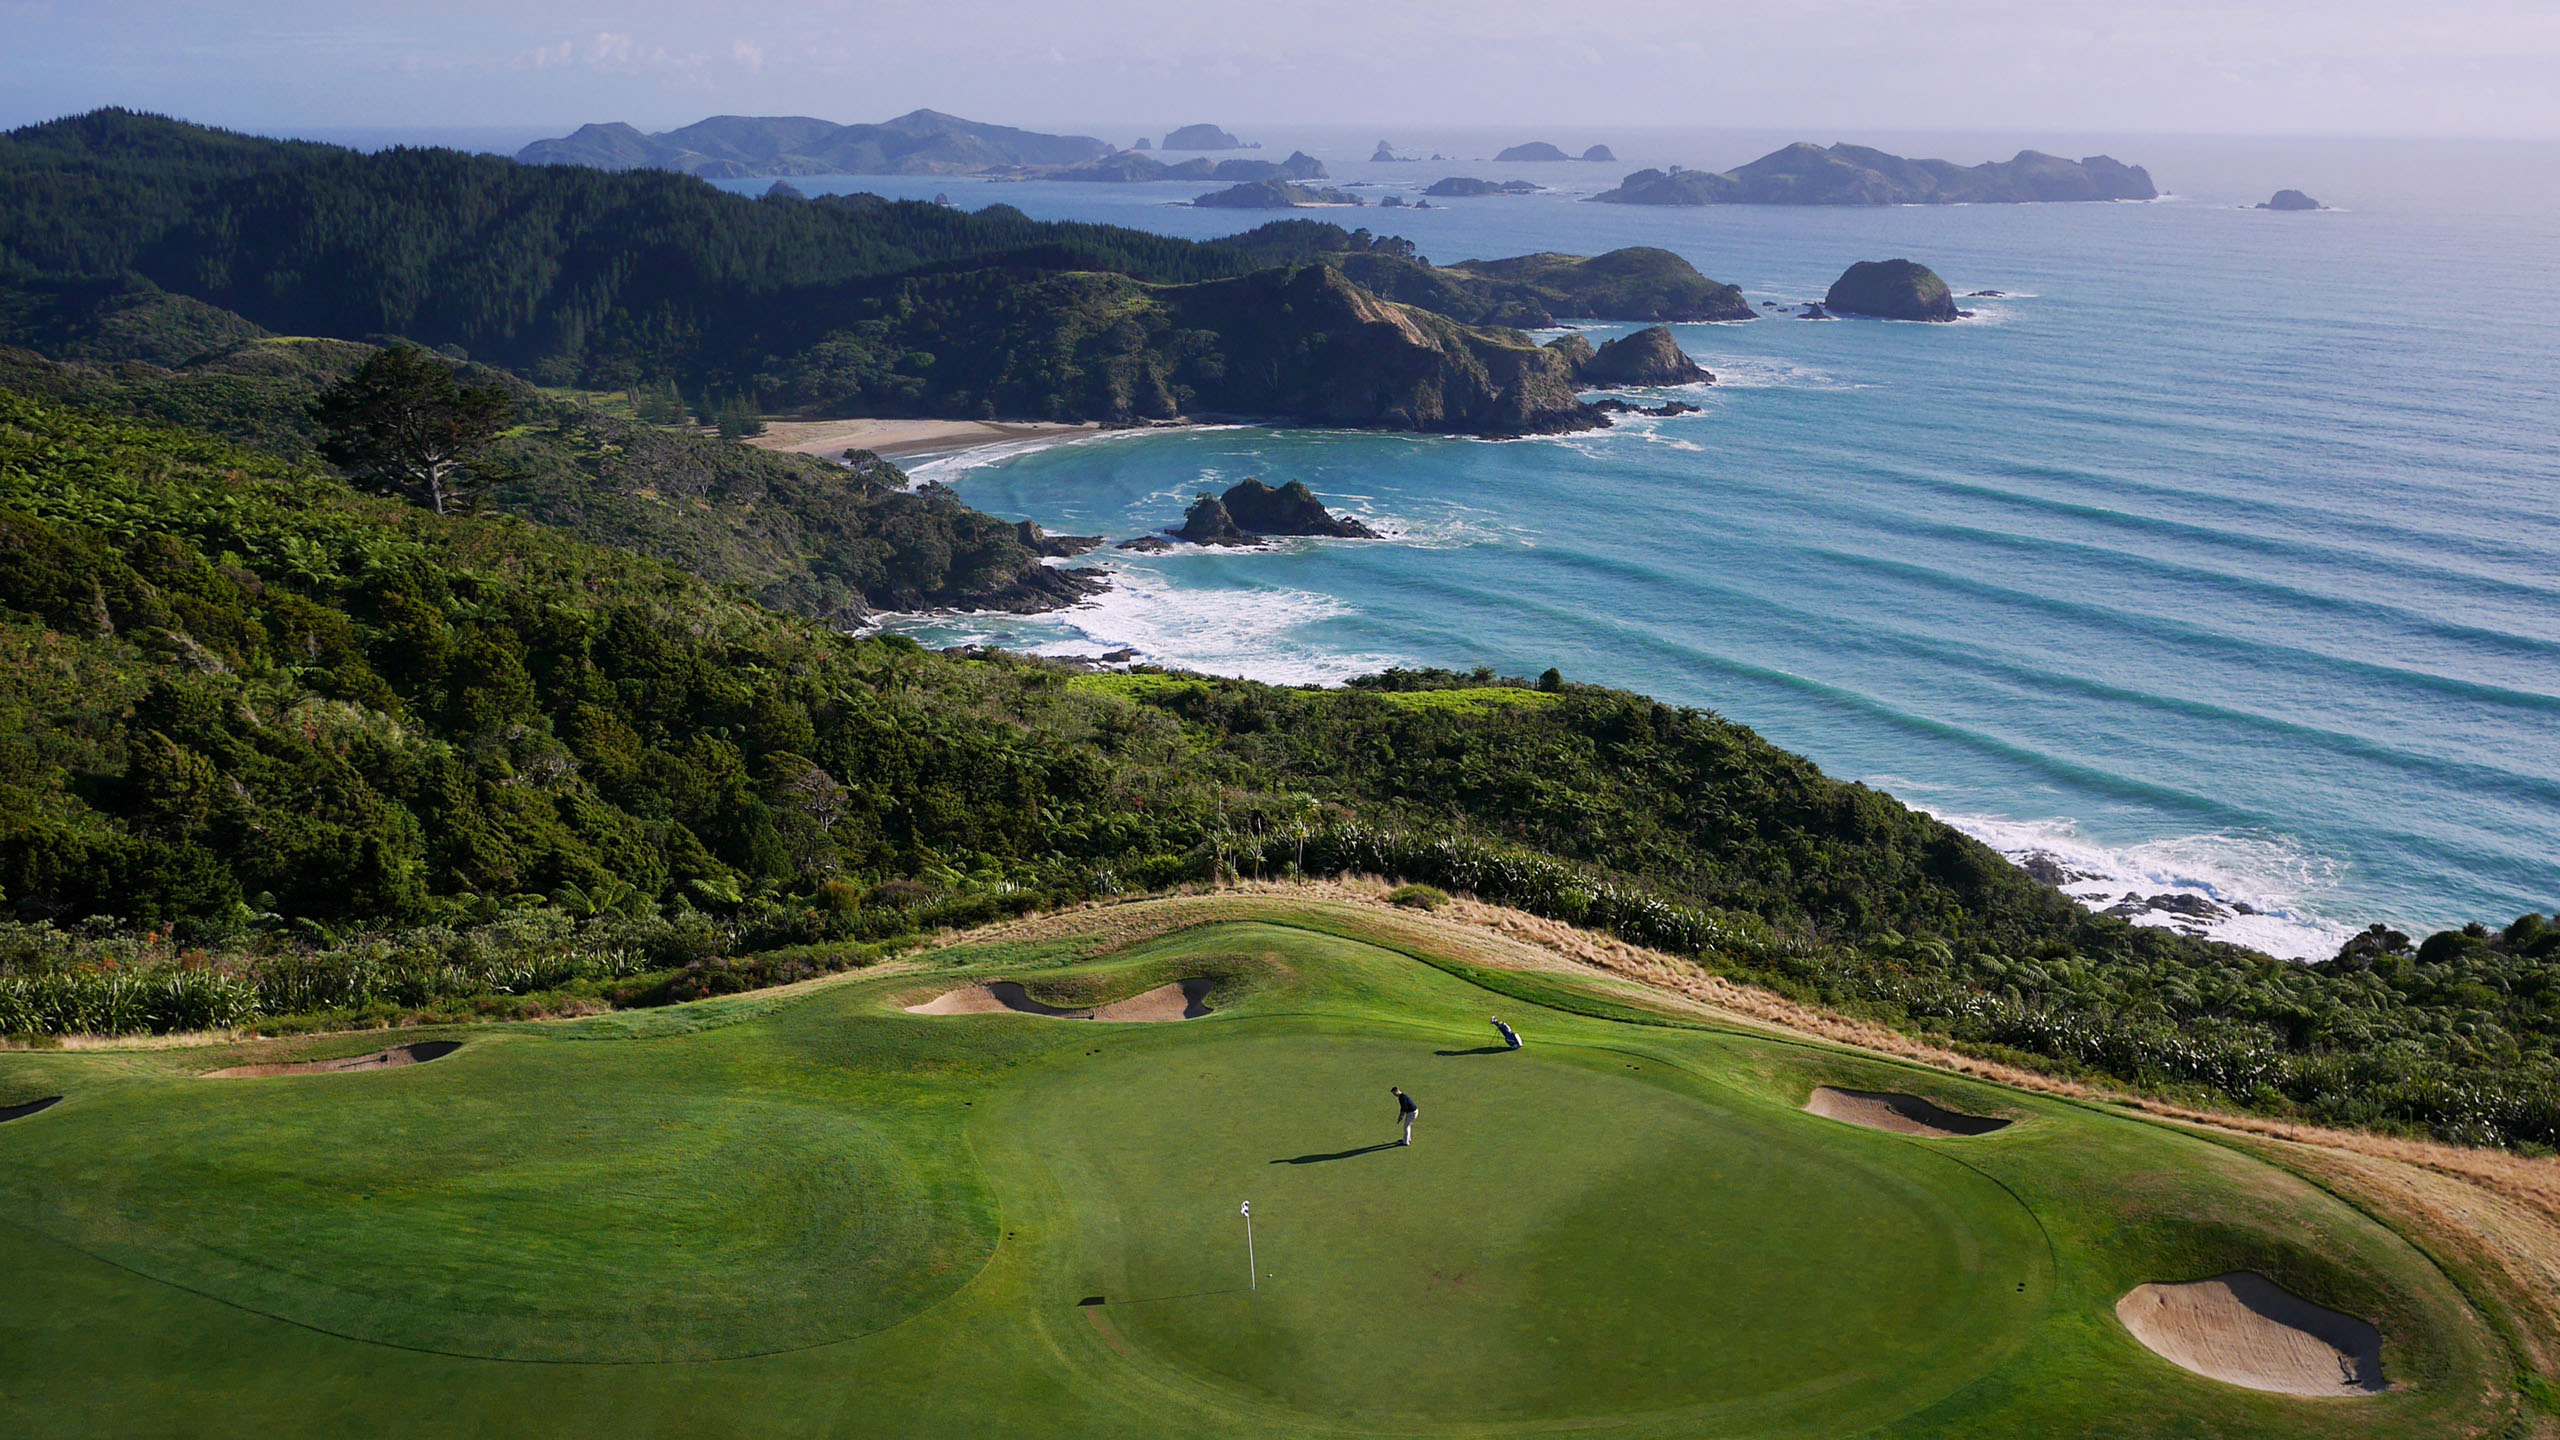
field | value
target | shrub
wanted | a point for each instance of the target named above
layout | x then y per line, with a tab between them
1418	897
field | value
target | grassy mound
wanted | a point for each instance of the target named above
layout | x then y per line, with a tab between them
884	1223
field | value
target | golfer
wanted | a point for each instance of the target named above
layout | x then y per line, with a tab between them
1405	1111
1510	1037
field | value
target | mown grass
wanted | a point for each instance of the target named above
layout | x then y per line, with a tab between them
809	1212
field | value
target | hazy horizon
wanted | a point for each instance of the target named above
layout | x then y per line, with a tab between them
2290	68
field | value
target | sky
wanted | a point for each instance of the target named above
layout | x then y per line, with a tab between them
2272	67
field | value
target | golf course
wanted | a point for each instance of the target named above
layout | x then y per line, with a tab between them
996	1187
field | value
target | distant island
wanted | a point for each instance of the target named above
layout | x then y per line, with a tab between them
1386	155
1273	195
1541	150
1468	185
1201	137
1806	174
2291	200
1130	167
736	147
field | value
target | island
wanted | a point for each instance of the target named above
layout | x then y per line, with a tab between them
1599	155
2291	200
1201	137
1273	195
1891	290
1130	167
1460	185
738	147
1805	174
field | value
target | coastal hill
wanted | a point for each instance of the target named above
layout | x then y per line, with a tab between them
840	305
1806	174
731	147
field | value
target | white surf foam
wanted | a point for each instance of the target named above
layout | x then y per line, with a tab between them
2281	884
1256	634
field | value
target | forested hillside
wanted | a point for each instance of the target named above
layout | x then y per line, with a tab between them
270	748
845	303
828	541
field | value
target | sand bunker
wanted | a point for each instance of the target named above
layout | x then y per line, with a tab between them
21	1112
1902	1114
398	1055
2248	1330
1181	1000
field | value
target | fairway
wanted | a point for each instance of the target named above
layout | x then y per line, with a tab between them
821	1212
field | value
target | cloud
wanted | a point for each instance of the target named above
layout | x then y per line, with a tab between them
748	53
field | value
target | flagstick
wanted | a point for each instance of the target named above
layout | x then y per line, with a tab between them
1252	1271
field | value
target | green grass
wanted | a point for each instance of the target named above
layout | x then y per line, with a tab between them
814	1213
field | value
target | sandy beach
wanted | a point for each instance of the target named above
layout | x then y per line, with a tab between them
894	439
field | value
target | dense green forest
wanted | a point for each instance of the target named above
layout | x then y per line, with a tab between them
272	750
113	223
800	534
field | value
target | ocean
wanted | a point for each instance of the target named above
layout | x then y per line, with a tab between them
2218	555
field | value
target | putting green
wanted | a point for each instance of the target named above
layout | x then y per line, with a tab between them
1574	1234
815	1213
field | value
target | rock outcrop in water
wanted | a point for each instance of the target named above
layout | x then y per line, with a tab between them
1648	357
1250	512
1803	174
1891	290
1599	155
1291	509
2291	200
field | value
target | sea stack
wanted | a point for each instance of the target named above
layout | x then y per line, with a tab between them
1891	290
1292	509
2291	200
1648	357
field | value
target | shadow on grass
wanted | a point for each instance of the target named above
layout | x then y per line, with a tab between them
1479	1050
1339	1154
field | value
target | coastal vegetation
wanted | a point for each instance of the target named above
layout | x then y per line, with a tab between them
282	753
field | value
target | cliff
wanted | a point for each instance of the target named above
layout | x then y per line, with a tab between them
1803	174
1310	344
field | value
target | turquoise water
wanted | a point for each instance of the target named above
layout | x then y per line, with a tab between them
2222	555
